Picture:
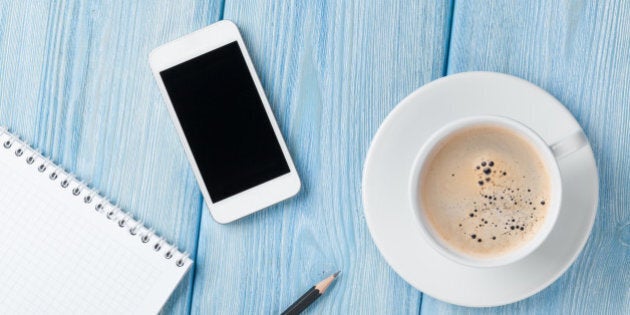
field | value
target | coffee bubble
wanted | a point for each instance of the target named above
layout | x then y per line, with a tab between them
485	183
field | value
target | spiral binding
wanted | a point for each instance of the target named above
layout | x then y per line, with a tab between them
67	181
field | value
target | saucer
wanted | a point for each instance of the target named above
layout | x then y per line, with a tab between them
386	195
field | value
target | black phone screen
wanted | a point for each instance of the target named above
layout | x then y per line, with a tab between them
224	121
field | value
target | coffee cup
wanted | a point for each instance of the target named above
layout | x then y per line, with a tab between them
481	197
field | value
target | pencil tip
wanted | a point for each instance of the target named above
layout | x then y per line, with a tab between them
324	284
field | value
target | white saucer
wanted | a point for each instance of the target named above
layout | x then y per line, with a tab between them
387	170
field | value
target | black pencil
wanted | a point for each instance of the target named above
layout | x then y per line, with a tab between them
310	296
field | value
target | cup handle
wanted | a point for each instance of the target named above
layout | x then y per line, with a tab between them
569	144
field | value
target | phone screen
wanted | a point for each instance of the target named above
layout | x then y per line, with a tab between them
224	121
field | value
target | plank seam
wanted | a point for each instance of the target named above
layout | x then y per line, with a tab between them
449	38
447	55
222	10
194	255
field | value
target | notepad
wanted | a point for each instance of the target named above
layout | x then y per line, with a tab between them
64	249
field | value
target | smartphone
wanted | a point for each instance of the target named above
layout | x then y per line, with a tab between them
224	121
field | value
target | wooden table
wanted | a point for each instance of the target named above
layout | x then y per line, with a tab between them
75	82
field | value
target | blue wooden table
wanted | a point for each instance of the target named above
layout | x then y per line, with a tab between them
75	82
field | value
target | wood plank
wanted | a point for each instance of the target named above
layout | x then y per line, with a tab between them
76	83
332	70
578	51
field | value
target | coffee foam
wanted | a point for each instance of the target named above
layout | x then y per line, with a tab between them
485	191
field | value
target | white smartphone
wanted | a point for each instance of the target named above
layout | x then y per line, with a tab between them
224	121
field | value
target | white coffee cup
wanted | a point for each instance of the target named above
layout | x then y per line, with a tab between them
548	154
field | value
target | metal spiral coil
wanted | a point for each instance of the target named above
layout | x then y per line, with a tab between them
102	205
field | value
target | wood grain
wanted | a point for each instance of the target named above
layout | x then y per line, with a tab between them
75	82
332	70
579	51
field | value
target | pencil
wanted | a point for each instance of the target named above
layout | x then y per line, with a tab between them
310	296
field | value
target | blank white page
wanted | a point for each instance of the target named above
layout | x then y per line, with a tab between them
62	253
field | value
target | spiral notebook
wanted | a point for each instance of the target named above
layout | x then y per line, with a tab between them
66	250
